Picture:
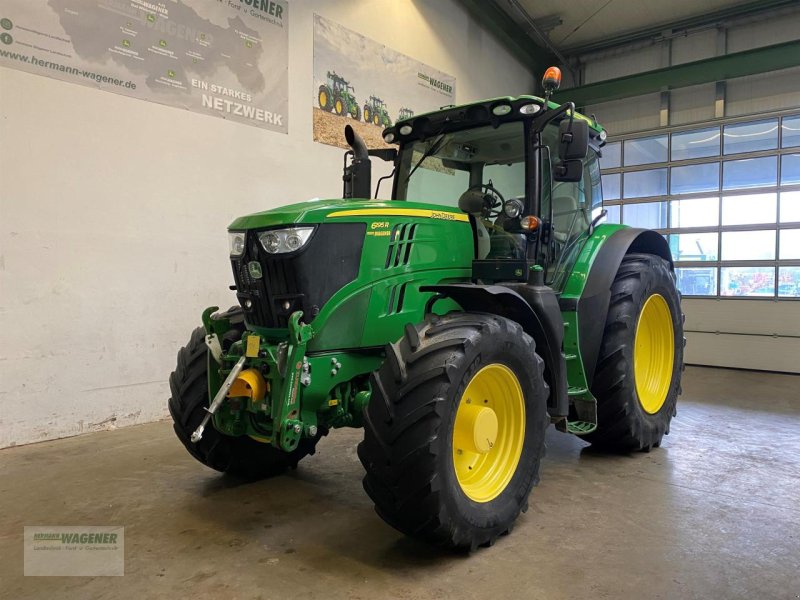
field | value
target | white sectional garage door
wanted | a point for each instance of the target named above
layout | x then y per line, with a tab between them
726	195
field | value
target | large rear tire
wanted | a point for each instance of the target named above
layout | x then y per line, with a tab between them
638	375
324	98
454	430
241	456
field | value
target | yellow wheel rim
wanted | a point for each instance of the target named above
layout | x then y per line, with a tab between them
339	107
653	353
489	432
323	99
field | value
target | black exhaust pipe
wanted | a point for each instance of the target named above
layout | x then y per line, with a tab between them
357	175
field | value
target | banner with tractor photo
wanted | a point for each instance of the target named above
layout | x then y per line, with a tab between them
360	82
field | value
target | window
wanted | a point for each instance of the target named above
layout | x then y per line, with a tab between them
748	245
694	178
789	282
638	184
790	244
612	213
611	155
750	173
444	175
747	281
725	196
611	186
790	169
649	215
790	207
697	281
695	144
643	151
697	212
694	246
750	209
750	137
790	132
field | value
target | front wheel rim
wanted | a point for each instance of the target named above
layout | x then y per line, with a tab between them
488	433
654	353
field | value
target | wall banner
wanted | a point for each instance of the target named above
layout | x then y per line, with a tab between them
227	58
364	83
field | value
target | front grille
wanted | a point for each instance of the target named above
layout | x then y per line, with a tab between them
303	280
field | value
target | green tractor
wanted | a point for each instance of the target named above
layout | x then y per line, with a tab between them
337	95
405	113
485	301
375	112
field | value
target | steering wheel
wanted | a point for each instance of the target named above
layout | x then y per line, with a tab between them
492	198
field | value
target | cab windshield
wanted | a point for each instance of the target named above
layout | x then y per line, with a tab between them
455	162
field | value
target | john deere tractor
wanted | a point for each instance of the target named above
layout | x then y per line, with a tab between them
337	95
485	301
405	113
375	112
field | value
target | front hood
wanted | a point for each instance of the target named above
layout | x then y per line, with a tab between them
319	211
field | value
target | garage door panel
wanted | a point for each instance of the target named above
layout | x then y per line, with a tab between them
766	317
743	352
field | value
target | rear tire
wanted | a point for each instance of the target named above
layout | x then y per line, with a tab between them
366	114
324	98
241	456
632	417
409	451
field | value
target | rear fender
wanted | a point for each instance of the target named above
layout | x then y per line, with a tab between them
592	305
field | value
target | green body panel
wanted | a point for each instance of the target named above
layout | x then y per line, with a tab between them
576	376
441	251
345	341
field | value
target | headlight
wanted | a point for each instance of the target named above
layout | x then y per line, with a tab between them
513	208
236	242
278	241
501	109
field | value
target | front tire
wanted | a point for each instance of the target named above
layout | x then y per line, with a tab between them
637	380
338	105
454	431
241	456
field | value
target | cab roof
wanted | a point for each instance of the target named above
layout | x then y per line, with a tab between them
489	111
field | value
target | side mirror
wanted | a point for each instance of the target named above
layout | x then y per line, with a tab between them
574	139
568	170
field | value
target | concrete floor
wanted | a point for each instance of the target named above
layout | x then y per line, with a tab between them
715	513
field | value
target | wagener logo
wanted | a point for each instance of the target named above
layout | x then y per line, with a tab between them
271	8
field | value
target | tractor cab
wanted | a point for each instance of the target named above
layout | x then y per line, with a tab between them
338	84
525	170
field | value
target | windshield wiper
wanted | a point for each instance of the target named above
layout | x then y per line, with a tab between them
434	147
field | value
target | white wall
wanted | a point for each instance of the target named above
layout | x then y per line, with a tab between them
113	214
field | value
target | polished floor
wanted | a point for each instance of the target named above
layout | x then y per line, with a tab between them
714	513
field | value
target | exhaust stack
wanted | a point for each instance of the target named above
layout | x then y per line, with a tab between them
357	175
